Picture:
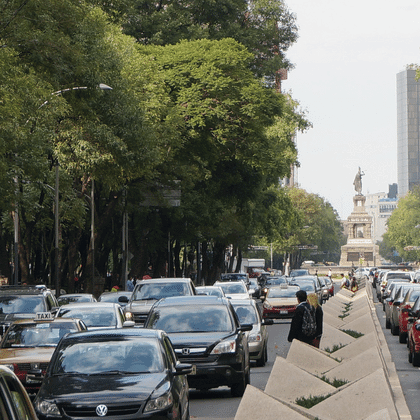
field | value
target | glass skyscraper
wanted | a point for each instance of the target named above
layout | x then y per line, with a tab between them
408	130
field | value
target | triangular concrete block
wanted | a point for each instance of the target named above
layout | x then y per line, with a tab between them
332	320
334	310
354	314
356	347
288	382
363	324
359	400
334	337
357	367
255	404
309	358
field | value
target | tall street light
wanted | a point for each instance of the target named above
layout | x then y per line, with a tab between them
101	86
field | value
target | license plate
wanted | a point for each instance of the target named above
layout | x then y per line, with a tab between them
284	312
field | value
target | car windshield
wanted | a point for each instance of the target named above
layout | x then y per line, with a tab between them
37	335
156	291
232	276
210	291
282	293
112	356
246	314
92	316
112	297
307	287
276	280
27	304
230	288
191	318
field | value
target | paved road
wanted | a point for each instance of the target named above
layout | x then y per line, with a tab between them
408	374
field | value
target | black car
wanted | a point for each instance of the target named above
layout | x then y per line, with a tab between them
131	374
206	332
20	302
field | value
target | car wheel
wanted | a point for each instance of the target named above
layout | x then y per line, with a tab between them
238	389
387	324
265	354
187	414
402	337
410	356
261	360
394	329
415	359
383	306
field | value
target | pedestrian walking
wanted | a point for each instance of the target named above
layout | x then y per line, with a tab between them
303	316
312	299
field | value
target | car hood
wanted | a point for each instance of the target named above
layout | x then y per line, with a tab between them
204	339
237	295
26	355
96	389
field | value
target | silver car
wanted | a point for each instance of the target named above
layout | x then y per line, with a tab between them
248	313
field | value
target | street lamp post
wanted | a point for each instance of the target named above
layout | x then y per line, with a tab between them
101	86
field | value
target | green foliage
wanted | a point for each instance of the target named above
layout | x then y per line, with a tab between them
353	333
334	348
311	401
336	383
402	233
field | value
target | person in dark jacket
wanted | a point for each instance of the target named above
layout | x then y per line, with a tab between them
296	324
312	299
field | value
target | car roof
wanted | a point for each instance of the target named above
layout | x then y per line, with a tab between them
22	290
166	280
192	300
223	283
47	321
242	302
289	286
114	333
89	305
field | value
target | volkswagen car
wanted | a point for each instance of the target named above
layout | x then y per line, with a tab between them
128	373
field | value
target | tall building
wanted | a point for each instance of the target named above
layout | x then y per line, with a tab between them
408	130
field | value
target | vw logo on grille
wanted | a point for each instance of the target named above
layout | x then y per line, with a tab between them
185	352
101	410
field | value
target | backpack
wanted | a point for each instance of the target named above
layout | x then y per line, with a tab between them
309	321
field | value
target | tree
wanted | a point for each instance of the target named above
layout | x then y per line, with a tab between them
403	233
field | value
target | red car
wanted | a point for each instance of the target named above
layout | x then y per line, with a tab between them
414	334
403	309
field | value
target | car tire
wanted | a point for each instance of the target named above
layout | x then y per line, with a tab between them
402	337
261	361
238	389
187	416
394	329
415	359
410	356
387	324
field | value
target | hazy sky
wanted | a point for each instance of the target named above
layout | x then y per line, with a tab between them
346	60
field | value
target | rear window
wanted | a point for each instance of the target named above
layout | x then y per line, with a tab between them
399	276
191	318
282	293
156	291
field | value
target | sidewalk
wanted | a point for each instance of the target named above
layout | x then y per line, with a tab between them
351	376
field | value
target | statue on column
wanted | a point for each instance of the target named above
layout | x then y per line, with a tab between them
358	182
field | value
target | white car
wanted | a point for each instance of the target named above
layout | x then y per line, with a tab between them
234	289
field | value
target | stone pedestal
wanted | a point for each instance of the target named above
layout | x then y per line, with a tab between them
360	249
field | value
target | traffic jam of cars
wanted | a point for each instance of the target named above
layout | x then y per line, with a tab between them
137	354
399	293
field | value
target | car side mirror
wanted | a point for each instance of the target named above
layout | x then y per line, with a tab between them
396	303
183	369
245	327
123	299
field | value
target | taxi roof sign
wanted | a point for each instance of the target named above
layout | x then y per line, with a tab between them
44	316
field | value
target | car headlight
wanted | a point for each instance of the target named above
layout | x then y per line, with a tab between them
228	346
255	337
129	316
47	408
160	403
11	366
